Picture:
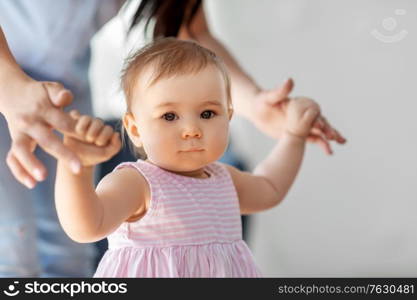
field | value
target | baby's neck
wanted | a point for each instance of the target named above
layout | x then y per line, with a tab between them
195	174
200	173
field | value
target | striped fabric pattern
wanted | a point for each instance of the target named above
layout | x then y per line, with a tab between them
191	229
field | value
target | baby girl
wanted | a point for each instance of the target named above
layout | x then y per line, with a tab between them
176	211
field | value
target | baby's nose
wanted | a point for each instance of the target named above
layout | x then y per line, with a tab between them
191	132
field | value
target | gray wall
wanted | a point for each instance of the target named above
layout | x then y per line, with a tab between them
355	213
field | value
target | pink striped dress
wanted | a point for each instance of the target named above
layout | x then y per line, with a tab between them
191	229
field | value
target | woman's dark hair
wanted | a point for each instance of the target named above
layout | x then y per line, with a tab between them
169	15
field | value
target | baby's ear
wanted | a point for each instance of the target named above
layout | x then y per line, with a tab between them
130	125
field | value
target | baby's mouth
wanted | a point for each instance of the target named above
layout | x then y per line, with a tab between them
195	149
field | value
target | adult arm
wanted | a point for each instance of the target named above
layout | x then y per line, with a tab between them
31	109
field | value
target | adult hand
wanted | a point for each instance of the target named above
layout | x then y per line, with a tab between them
32	110
269	115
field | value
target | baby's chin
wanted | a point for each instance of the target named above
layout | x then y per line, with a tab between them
187	166
182	164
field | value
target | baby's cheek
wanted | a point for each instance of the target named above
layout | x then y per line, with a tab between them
161	146
219	142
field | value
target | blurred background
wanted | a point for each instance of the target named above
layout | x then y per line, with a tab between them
350	214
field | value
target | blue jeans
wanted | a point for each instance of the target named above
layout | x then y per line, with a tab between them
32	242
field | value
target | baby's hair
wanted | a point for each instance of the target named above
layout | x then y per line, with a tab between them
168	57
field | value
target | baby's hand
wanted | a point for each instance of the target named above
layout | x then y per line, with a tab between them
92	141
301	115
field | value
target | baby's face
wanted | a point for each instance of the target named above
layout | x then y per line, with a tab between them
183	121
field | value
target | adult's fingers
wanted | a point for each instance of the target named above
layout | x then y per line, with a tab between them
59	97
22	151
327	129
319	124
19	172
281	93
58	94
59	120
331	133
286	89
54	146
321	141
339	138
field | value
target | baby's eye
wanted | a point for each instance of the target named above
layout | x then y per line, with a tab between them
207	114
169	117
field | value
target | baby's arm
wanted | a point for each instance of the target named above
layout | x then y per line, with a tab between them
86	214
272	178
